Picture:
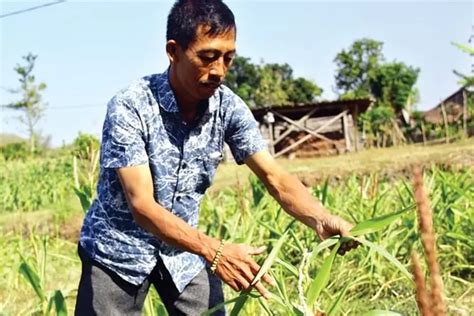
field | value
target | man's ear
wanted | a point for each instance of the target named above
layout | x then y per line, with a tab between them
172	50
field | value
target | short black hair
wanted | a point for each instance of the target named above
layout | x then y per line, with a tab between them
187	15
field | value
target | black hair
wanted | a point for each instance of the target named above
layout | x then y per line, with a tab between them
187	15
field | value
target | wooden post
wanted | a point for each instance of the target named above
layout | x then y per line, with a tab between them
356	131
272	145
345	129
423	133
464	112
445	120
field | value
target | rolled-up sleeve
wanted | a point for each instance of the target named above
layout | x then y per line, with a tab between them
242	133
123	140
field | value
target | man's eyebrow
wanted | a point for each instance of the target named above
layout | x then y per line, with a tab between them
215	51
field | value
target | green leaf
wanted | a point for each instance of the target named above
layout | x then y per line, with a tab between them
219	306
297	311
32	277
336	304
288	266
271	257
239	304
265	306
322	278
60	303
323	245
383	252
376	224
85	197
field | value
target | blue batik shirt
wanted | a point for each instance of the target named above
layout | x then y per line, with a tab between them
143	126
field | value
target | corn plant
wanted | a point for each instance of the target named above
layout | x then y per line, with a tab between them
373	278
47	300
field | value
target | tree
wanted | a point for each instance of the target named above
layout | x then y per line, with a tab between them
377	124
302	90
356	66
270	90
31	99
393	85
269	84
243	78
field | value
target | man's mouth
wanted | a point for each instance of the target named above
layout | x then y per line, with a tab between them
212	85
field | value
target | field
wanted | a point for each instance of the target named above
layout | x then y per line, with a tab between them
40	218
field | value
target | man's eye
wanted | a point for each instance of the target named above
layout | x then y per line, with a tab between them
229	58
207	58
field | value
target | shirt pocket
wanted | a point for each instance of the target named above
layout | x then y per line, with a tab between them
208	167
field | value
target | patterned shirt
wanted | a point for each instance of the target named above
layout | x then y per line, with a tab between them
143	126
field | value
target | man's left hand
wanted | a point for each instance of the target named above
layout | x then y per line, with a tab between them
331	225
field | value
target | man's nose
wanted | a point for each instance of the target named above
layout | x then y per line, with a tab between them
218	68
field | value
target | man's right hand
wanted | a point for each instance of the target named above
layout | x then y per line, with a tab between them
237	268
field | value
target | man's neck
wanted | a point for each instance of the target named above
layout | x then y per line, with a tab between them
188	106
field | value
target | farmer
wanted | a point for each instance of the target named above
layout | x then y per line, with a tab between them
162	141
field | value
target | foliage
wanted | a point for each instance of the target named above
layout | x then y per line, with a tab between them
465	80
15	151
269	84
85	145
377	124
303	90
31	103
37	281
392	84
370	277
356	66
243	78
363	73
365	279
35	183
270	90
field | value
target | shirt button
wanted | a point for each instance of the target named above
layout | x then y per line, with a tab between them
184	165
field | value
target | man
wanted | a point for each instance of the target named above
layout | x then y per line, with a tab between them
162	140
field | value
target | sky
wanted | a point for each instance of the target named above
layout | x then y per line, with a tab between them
89	50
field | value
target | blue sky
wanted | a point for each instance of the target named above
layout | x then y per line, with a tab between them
88	50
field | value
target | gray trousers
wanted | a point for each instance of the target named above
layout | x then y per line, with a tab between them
102	292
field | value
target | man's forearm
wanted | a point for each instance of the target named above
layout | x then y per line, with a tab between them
295	199
174	231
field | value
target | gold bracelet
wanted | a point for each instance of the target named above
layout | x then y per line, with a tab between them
217	257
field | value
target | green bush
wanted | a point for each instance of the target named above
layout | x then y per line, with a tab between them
85	145
14	151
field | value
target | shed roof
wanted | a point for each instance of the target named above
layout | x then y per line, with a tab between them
324	108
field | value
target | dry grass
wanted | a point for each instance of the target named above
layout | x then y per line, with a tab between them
432	304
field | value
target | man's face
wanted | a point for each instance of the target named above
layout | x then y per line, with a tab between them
201	68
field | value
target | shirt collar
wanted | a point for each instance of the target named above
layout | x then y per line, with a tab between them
167	100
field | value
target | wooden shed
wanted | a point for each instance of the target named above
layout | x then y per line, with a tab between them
454	107
314	129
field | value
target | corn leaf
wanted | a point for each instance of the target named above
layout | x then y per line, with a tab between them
271	257
297	311
322	278
239	304
323	245
60	304
32	277
384	253
337	303
265	306
376	224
